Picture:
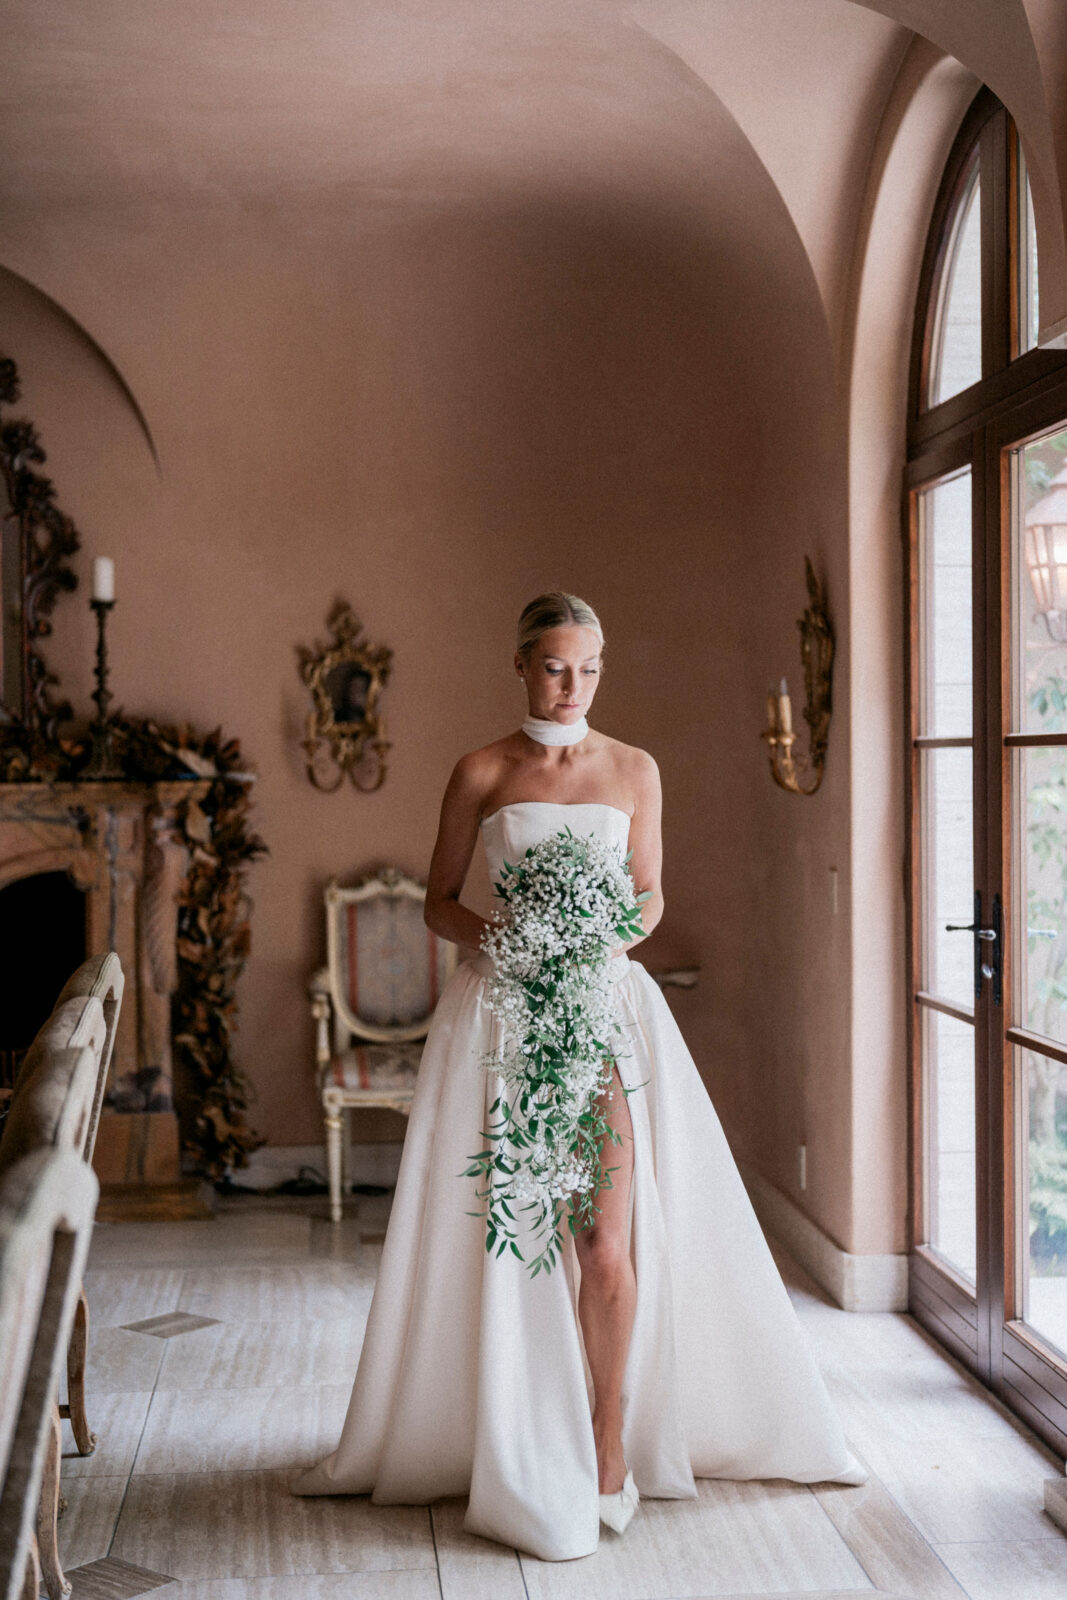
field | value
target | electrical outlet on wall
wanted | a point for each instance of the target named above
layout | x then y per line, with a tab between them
802	1165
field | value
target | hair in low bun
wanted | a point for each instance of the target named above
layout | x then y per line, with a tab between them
554	610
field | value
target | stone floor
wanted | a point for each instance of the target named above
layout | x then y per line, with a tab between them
221	1358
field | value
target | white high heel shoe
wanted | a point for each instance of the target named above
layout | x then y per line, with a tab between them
616	1510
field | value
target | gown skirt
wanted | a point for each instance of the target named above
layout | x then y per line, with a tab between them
473	1379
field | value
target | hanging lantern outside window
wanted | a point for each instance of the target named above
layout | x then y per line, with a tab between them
1046	555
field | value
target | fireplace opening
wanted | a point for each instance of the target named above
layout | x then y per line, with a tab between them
42	941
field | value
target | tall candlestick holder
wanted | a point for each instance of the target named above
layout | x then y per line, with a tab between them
817	658
103	764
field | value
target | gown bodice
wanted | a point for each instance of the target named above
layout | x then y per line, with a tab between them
510	831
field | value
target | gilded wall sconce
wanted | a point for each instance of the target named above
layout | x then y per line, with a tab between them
817	657
344	725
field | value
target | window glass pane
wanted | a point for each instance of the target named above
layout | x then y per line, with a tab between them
945	607
956	346
1043	1112
1041	877
951	1204
947	866
1039	479
1026	256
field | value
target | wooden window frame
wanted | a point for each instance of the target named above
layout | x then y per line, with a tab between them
1017	396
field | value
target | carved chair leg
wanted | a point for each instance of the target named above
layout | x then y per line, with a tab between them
31	1580
74	1410
346	1137
334	1127
55	1582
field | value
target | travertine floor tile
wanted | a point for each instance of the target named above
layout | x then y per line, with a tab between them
408	1585
241	1430
269	1383
117	1295
247	1524
1023	1570
356	1239
808	1594
117	1361
255	1236
171	1325
257	1355
472	1568
961	1489
862	1339
889	1549
337	1241
86	1526
117	1420
913	1399
318	1291
759	1538
114	1580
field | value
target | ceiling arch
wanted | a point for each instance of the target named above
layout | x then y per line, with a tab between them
22	301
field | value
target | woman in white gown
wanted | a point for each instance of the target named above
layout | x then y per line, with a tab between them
667	1348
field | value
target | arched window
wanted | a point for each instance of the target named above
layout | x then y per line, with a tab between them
987	651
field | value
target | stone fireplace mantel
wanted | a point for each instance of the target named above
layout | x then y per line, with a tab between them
120	842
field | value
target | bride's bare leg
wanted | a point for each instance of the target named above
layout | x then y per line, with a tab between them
608	1294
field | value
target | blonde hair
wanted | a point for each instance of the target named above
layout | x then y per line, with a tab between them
554	610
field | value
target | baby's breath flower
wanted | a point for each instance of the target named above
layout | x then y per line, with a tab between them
558	1036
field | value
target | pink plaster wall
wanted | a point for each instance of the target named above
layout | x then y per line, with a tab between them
436	410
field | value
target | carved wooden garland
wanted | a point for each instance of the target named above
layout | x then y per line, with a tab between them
213	905
48	538
214	935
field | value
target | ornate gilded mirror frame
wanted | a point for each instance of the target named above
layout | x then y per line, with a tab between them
36	539
344	726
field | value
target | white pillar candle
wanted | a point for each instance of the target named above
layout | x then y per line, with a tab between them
103	578
785	709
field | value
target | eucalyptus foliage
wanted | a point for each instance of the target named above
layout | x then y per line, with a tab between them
558	1039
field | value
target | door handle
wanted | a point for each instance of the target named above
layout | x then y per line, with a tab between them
994	936
992	968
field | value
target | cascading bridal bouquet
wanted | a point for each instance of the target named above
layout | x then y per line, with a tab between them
566	902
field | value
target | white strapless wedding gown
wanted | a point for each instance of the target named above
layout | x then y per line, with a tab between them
472	1379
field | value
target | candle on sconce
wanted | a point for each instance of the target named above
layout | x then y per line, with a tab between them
103	578
785	709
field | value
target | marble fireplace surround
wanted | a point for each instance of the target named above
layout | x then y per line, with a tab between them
120	842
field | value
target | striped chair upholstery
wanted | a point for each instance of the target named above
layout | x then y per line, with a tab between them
372	1003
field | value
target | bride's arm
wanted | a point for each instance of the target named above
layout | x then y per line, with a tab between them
457	835
646	863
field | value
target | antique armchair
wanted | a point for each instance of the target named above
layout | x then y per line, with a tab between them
372	1003
47	1204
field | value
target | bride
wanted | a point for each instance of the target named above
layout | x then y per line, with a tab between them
666	1349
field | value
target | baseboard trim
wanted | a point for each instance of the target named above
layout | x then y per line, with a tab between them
277	1163
855	1283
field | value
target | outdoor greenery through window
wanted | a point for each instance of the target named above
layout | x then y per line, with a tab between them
1040	781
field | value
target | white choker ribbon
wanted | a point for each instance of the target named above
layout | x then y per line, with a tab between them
545	731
